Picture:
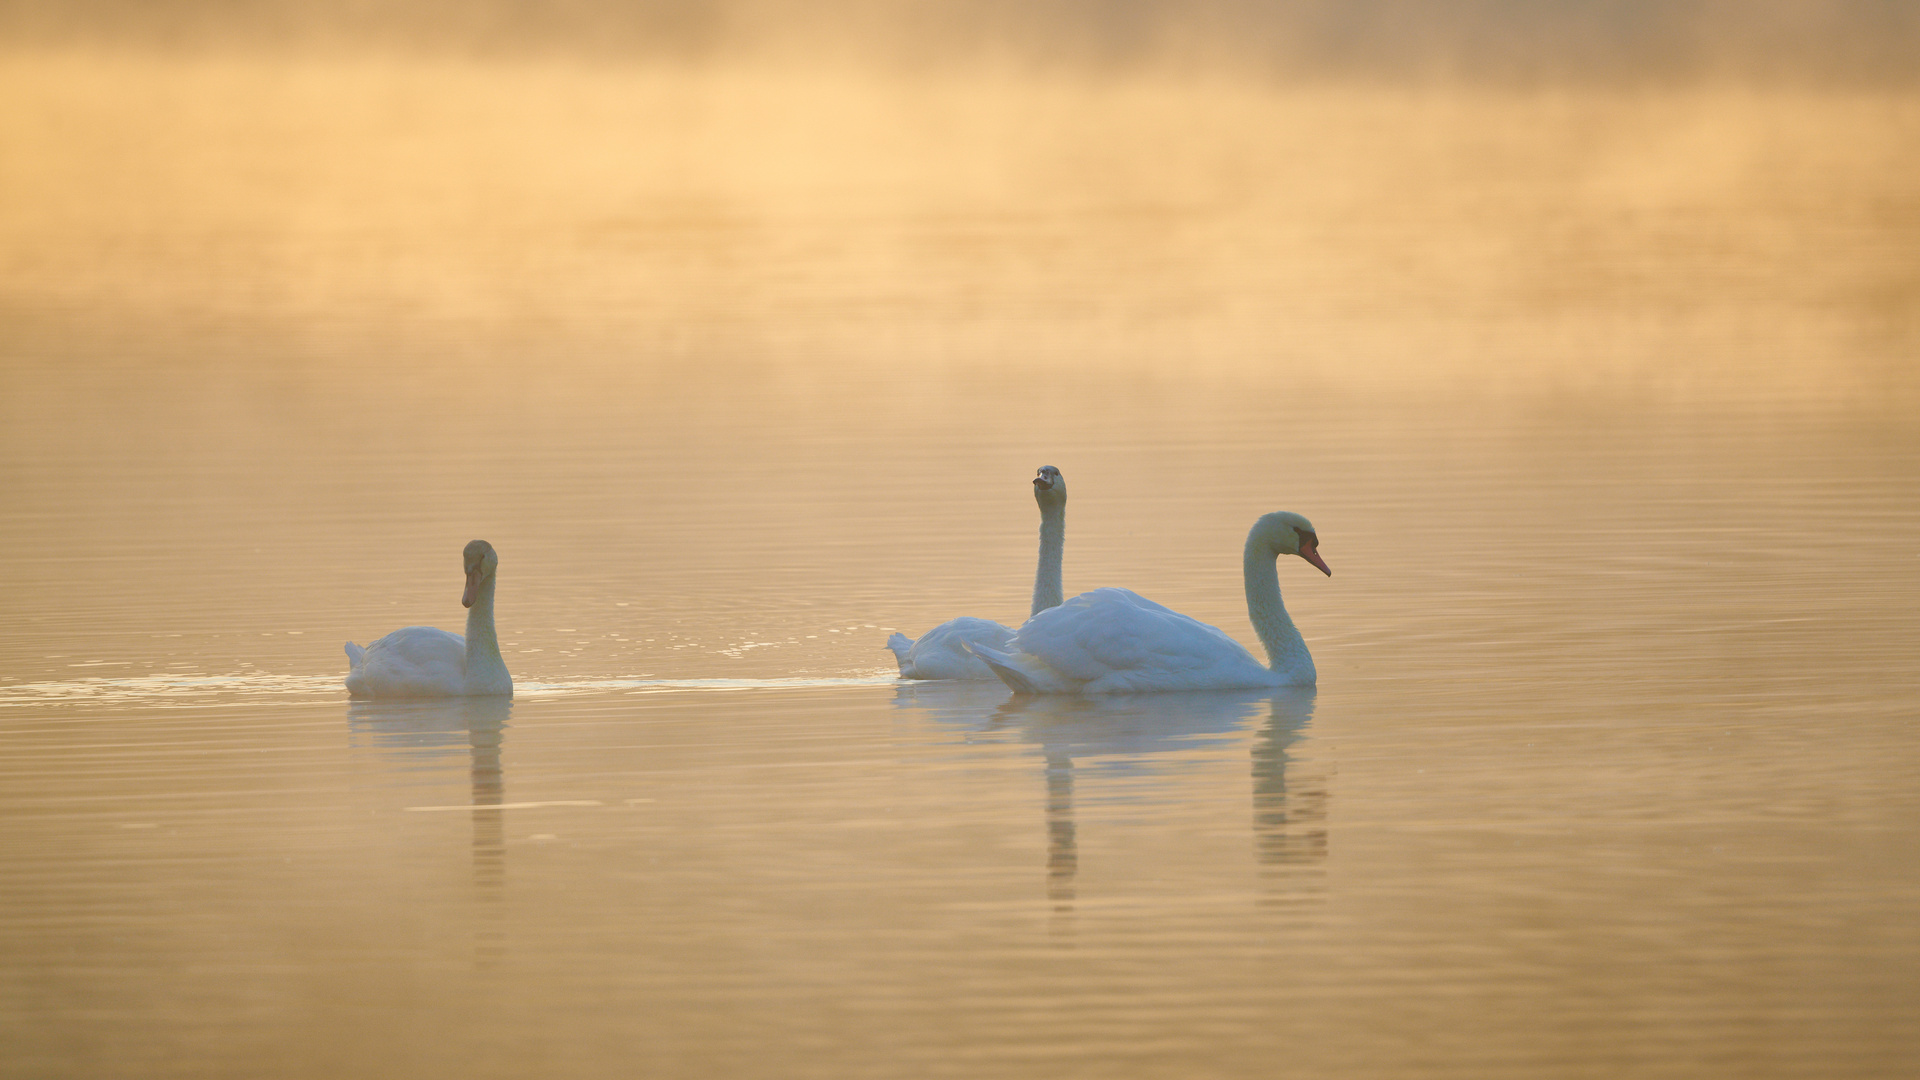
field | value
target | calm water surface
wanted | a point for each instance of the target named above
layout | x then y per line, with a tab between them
1609	772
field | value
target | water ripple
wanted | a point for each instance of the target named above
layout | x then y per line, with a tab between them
203	691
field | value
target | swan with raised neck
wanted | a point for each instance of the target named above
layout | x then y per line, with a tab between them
422	661
945	652
1277	534
486	669
1117	641
1050	492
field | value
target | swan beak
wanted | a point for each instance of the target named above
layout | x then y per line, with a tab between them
1312	555
473	589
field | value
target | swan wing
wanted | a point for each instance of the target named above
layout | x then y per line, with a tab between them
946	651
1117	641
1030	679
417	661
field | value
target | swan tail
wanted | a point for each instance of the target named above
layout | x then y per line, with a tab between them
1002	665
900	644
355	654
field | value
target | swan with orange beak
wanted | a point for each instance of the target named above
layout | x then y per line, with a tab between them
1115	641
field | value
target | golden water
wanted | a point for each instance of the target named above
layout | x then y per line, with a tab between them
1603	404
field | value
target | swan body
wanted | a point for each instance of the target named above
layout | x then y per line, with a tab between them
1112	641
423	662
946	651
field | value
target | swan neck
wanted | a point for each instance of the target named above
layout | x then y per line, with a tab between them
1046	579
1286	649
483	644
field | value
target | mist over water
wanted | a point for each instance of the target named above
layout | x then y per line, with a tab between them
1585	334
1498	41
1719	240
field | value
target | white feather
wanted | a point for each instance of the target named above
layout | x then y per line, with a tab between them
946	651
1116	641
422	662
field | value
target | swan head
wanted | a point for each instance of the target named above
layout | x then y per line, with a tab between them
1287	533
1049	487
481	562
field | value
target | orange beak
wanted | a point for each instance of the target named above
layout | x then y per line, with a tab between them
473	589
1312	554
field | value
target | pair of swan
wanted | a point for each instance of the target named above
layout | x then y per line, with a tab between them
1104	641
1117	641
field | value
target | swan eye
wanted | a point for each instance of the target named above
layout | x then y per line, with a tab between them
1307	537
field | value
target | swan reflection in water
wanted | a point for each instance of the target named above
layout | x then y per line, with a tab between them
423	734
1141	734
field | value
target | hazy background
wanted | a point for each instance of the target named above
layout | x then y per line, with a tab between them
1709	199
1850	41
358	282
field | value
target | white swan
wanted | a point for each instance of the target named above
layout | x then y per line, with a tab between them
1117	641
945	652
422	662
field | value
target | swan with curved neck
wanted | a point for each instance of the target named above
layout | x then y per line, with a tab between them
945	652
1117	641
423	662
